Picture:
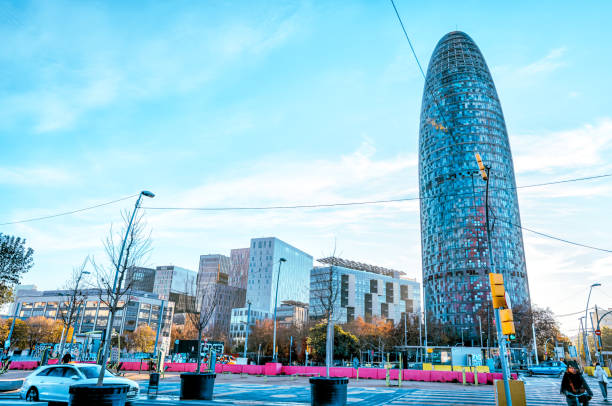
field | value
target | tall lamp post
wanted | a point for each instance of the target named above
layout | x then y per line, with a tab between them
248	324
109	327
501	339
274	354
587	351
601	361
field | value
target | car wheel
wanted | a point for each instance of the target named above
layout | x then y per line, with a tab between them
529	373
32	395
560	374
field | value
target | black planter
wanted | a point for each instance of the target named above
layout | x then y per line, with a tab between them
113	394
197	386
328	391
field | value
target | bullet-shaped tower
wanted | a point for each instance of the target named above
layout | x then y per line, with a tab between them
461	115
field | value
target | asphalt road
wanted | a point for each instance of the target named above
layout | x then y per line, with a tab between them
285	391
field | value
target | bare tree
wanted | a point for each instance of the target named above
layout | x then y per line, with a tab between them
113	295
200	311
325	294
68	309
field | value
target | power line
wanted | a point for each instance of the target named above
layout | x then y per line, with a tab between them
67	212
555	238
361	203
408	39
573	314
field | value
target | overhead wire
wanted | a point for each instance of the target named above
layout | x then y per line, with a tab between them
67	212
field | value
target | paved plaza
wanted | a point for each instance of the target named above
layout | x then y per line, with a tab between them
285	391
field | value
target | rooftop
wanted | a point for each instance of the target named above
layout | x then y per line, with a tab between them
360	266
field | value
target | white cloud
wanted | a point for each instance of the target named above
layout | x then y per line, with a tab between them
578	148
552	61
39	176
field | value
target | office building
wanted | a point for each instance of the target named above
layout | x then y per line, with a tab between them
239	267
362	290
214	268
93	315
177	285
461	115
215	290
291	313
139	278
294	278
239	321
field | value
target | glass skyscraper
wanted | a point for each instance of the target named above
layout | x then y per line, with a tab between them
461	115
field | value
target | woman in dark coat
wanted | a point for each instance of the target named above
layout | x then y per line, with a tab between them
574	387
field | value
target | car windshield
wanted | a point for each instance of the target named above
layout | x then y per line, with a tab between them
93	371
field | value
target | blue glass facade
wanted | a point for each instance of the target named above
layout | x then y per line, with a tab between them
294	280
460	115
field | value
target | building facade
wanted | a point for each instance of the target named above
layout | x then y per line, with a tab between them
139	278
213	267
239	267
461	115
137	308
177	285
239	321
294	279
291	313
362	290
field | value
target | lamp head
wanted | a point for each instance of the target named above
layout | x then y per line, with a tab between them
282	260
147	193
595	284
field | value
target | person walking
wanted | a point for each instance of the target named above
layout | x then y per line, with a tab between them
574	387
602	379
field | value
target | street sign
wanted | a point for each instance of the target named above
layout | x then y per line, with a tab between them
597	332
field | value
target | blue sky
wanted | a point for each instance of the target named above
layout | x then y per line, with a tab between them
268	103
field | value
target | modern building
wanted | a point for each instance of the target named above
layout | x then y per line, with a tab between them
239	267
177	285
139	278
239	321
137	308
293	281
461	115
291	313
362	290
213	267
215	292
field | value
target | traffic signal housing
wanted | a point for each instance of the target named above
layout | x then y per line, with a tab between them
507	322
498	292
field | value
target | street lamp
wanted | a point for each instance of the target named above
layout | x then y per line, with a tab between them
145	193
280	262
587	357
485	174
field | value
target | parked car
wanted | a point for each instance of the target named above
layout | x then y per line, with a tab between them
554	368
51	383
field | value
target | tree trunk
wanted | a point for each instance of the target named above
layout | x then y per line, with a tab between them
199	351
329	346
62	343
107	340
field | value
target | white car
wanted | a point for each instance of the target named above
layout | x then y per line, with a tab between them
51	383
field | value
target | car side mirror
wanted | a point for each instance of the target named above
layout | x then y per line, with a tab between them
75	377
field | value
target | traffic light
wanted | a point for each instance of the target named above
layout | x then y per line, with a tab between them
507	322
481	167
498	293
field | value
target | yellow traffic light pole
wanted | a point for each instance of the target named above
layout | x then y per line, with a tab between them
501	339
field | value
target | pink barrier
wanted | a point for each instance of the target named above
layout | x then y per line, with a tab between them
381	373
232	368
253	369
342	372
23	365
292	369
394	374
483	378
368	373
52	361
273	368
